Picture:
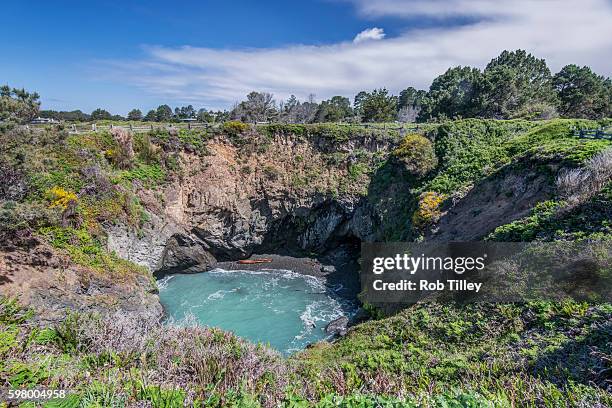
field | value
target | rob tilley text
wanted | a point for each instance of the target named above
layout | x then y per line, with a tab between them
405	263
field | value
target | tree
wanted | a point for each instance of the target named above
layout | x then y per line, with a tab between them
410	103
18	105
151	116
512	82
258	107
100	114
205	116
582	93
334	110
134	114
185	112
288	110
378	106
455	93
163	113
357	101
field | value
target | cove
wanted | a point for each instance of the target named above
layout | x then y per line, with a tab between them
284	309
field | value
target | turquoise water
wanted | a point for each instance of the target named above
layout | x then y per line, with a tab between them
282	308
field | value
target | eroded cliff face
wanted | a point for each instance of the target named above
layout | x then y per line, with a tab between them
507	195
302	197
289	195
53	285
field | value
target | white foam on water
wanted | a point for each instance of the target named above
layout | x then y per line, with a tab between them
163	282
321	306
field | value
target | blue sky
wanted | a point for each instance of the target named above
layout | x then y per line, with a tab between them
120	55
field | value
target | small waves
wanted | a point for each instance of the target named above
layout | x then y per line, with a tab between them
287	309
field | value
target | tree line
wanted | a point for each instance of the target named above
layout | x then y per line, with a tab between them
515	84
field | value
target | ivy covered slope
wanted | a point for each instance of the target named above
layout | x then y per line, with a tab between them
518	180
535	354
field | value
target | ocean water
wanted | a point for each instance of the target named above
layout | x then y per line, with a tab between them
281	308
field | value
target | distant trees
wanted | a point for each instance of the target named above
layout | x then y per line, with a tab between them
101	114
134	114
454	93
513	82
295	111
582	93
163	113
151	116
336	109
258	107
17	105
378	106
185	112
73	116
517	85
410	104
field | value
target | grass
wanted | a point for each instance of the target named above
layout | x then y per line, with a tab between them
429	355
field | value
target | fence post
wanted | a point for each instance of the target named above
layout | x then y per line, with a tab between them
189	125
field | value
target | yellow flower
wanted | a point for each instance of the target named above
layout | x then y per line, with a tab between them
60	197
428	210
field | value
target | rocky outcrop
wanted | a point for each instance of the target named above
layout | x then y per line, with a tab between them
505	196
337	327
50	283
230	204
182	254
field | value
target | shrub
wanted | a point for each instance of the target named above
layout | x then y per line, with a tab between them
60	197
428	210
124	155
271	173
147	151
235	128
578	185
537	111
417	154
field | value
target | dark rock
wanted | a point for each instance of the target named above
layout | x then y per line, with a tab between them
328	269
338	326
182	254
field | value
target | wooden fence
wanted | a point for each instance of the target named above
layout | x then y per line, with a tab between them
82	128
592	134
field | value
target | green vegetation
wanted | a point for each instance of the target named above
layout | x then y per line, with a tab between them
513	85
66	188
417	154
17	105
537	354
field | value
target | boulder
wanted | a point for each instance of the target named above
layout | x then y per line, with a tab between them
328	269
338	326
182	254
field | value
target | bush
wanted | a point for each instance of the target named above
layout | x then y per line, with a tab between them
235	128
417	154
537	111
578	185
124	154
428	210
60	197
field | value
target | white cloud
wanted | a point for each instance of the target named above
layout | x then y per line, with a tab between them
562	31
369	34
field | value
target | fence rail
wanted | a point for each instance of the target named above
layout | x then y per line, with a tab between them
94	127
600	134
